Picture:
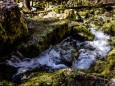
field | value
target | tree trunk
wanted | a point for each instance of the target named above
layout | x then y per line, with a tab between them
27	4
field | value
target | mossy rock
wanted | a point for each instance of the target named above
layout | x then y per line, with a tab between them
112	41
6	83
106	67
46	32
12	28
83	13
63	77
99	11
43	34
109	28
98	21
69	14
83	33
3	36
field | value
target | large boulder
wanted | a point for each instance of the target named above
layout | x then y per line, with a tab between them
43	33
12	26
81	31
64	77
109	27
105	67
50	31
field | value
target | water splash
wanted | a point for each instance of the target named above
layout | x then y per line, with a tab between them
55	57
60	55
91	50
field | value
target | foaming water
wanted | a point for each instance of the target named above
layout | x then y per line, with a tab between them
91	50
69	53
55	57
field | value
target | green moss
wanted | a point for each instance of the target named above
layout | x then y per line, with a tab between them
56	9
3	36
98	21
109	28
62	27
112	41
63	77
69	14
42	78
83	32
62	22
83	13
49	32
6	83
12	28
16	30
99	11
106	67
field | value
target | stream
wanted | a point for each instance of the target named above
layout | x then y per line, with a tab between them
69	53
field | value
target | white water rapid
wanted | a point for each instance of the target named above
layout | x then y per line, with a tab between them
57	56
98	48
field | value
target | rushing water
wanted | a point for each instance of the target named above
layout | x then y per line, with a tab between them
78	54
98	48
55	57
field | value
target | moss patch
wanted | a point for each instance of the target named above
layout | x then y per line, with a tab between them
6	83
3	36
109	28
44	33
63	77
12	28
83	32
106	68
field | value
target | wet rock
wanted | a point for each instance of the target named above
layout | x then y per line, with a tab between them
106	67
83	13
112	41
65	77
65	14
109	27
44	32
69	14
6	71
82	33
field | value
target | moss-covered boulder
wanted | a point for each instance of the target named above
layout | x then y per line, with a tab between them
109	27
49	31
12	26
43	33
64	77
106	67
112	41
83	33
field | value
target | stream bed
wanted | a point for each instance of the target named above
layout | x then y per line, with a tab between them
69	53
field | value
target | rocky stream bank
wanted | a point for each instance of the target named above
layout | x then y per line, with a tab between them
50	49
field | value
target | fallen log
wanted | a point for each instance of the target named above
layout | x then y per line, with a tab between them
112	5
31	12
